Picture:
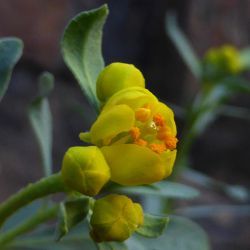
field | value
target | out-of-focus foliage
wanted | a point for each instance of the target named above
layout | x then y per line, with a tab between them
41	120
10	52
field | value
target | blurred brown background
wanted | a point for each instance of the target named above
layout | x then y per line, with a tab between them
134	33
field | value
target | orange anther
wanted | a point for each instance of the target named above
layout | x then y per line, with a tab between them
159	120
135	133
163	132
171	142
141	142
157	148
142	114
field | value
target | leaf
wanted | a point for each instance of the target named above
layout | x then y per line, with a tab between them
211	211
134	244
10	51
30	223
153	225
71	213
181	234
21	215
112	246
236	84
182	45
238	193
77	239
235	112
46	84
164	189
210	106
47	243
41	120
245	58
81	49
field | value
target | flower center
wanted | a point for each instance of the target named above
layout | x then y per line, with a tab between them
152	131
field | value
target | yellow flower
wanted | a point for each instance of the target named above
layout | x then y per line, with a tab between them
221	62
115	218
117	76
85	170
137	136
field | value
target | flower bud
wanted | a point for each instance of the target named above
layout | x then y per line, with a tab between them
118	76
85	170
115	218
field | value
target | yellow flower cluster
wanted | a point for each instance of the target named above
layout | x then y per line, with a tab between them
134	140
221	62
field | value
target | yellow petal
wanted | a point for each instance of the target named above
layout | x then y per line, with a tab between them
110	123
85	170
168	157
85	137
117	76
168	115
131	164
115	217
134	97
139	211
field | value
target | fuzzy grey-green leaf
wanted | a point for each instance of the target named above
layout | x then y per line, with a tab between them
71	213
181	234
153	226
164	189
81	49
10	52
41	120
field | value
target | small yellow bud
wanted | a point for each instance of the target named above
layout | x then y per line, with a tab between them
118	76
85	170
221	62
115	218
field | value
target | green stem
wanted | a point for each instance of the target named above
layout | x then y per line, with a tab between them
42	188
40	217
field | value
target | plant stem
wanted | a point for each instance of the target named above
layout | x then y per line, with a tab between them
31	192
40	217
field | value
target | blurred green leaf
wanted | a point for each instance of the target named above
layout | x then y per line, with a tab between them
209	105
77	239
235	112
10	51
46	243
71	213
153	225
21	215
112	246
235	192
29	224
81	49
214	211
164	189
45	84
41	120
181	234
235	84
182	45
134	244
245	58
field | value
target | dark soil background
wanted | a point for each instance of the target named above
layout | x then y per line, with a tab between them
134	33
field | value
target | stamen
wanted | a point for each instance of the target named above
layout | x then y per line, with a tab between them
142	114
141	142
163	132
159	120
135	133
171	142
157	148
